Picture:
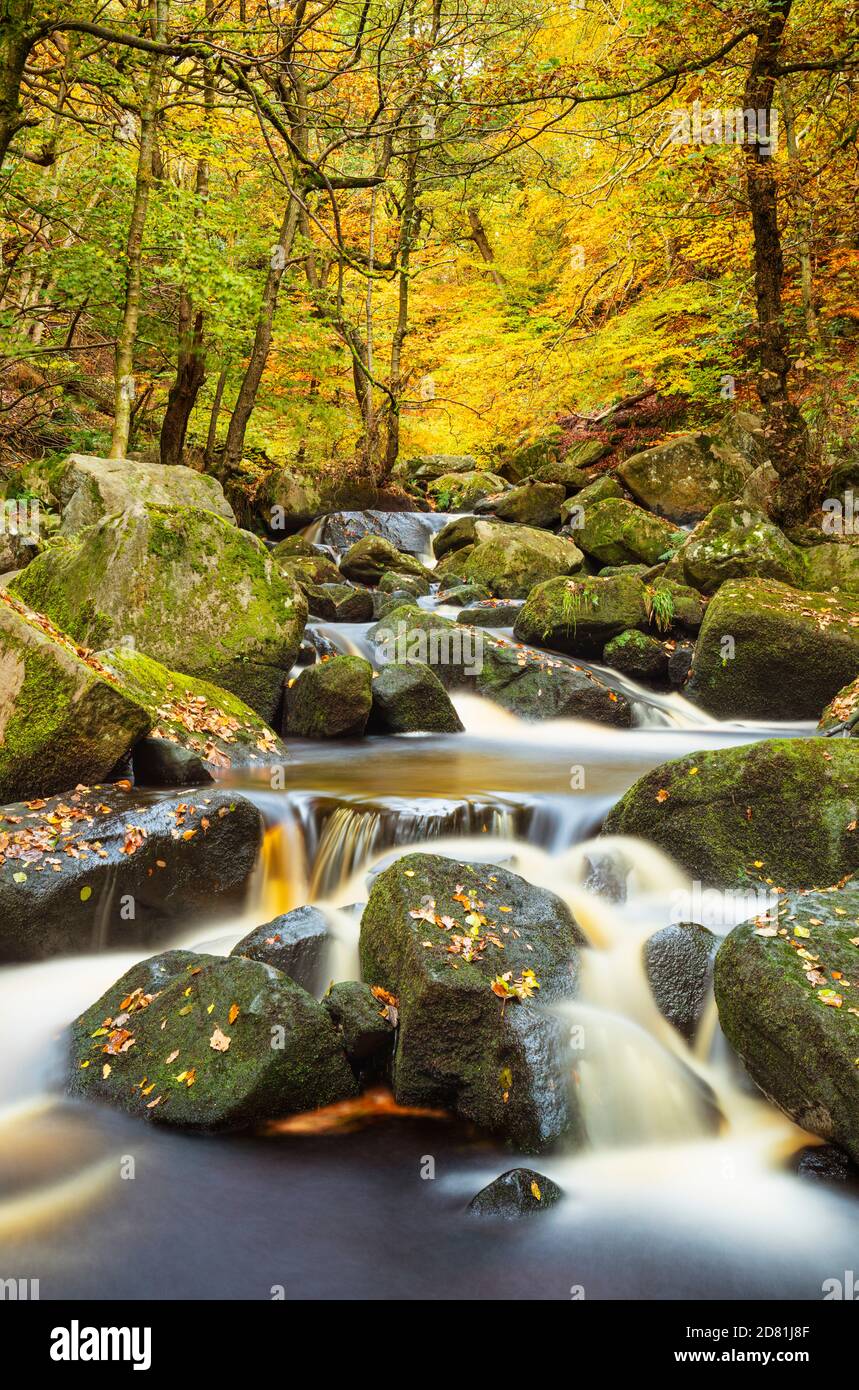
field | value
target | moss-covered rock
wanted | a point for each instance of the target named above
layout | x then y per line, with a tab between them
687	476
493	612
831	566
410	698
842	713
365	1024
780	810
89	488
458	492
678	962
564	472
734	542
307	570
426	467
638	656
295	943
367	560
64	718
223	1044
601	490
394	581
674	608
766	650
785	986
195	714
581	615
530	451
531	504
107	868
188	588
518	1192
339	603
619	533
515	558
495	1060
330	700
460	595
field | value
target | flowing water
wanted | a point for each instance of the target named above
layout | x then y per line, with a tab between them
684	1188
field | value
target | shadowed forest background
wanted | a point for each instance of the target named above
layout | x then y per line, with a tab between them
295	242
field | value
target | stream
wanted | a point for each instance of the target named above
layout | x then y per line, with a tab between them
685	1189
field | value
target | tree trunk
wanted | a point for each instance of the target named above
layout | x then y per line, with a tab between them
212	436
481	241
408	227
16	42
124	365
803	218
246	398
785	428
190	375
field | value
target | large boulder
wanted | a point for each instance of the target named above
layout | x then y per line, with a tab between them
339	603
735	542
426	467
515	558
64	717
330	700
296	943
194	714
368	559
409	698
684	478
306	570
582	615
783	809
292	497
831	565
106	868
785	987
408	532
767	651
463	973
678	962
564	472
89	488
220	1044
531	504
530	451
185	587
617	532
458	492
601	490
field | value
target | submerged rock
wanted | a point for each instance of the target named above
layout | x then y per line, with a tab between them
498	1061
518	1192
64	718
295	943
678	961
221	1045
105	868
188	588
90	488
785	805
783	991
767	651
581	615
330	700
410	698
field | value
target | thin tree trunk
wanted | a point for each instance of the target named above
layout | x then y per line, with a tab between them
212	436
785	428
408	227
803	218
124	366
481	241
190	375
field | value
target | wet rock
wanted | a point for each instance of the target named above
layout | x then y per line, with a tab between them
159	763
330	700
240	1044
784	803
531	504
191	590
638	656
340	603
617	532
734	542
410	698
842	713
308	571
768	651
106	868
406	532
679	965
295	943
827	1164
460	595
518	1192
601	490
581	615
494	612
388	603
460	1046
787	1014
90	488
368	559
458	492
64	717
393	581
196	715
687	476
366	1025
680	664
299	547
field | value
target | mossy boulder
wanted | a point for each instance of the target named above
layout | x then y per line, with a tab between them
516	1193
105	868
394	581
295	943
365	1024
531	504
156	762
330	700
458	492
768	651
339	603
223	1044
495	1060
832	565
493	612
64	718
675	608
638	656
186	587
684	478
785	986
410	698
678	962
601	490
90	488
430	466
618	532
842	713
307	570
735	542
562	472
581	615
781	809
530	451
460	595
515	558
194	714
367	560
